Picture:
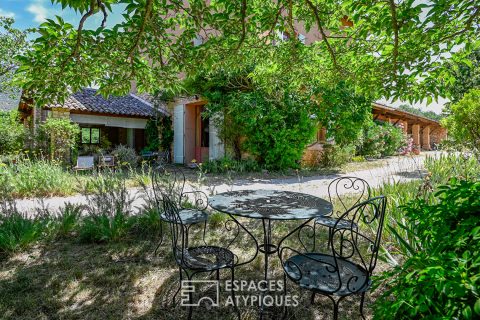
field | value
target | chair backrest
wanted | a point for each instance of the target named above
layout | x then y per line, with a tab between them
107	160
167	189
359	242
163	157
85	162
346	192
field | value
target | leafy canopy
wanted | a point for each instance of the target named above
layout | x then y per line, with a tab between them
393	48
12	42
464	121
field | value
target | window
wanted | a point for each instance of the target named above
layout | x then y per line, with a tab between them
90	135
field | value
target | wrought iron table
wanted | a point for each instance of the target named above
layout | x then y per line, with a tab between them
269	205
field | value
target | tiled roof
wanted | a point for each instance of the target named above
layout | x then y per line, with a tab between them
407	114
88	101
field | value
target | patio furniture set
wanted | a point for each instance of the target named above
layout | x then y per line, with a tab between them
344	269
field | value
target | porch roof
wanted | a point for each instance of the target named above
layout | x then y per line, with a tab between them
88	101
394	113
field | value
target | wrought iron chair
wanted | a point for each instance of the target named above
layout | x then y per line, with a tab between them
192	260
342	189
191	205
346	269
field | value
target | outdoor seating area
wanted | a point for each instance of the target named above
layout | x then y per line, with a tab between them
342	265
220	160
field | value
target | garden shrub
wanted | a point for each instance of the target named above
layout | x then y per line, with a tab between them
334	155
109	209
104	228
38	178
447	166
66	222
59	137
439	280
276	130
227	164
125	156
463	122
381	140
17	232
12	133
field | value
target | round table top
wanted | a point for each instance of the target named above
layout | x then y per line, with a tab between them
270	204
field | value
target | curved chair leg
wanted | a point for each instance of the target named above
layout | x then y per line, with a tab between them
335	306
237	311
204	231
179	287
312	299
161	239
314	235
361	305
190	299
284	316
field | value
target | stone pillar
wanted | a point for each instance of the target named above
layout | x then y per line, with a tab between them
426	138
416	134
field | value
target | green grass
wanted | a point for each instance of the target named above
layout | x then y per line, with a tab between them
42	178
123	280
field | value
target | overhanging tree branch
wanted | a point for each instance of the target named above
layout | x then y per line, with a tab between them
322	32
393	12
146	16
76	49
243	13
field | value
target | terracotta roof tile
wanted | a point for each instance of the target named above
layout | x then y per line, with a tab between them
89	101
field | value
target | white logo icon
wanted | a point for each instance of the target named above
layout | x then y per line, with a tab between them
192	286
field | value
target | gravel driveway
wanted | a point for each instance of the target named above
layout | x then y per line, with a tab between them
395	169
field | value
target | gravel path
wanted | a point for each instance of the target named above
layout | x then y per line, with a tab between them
396	169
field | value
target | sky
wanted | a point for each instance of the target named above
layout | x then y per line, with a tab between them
31	13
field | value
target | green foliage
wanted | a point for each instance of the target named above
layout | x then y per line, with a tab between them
166	133
12	43
147	223
66	222
125	156
109	209
333	155
38	178
227	164
463	123
448	166
104	228
17	232
466	71
374	53
272	127
381	140
276	131
12	133
152	135
439	280
342	112
60	137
